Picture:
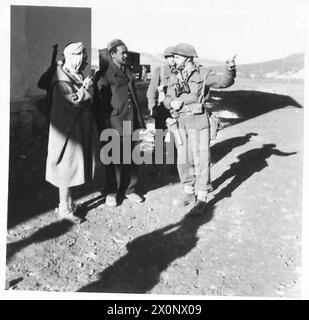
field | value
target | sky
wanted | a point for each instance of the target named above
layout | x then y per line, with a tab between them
254	30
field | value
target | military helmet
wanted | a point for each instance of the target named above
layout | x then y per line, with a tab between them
168	52
185	49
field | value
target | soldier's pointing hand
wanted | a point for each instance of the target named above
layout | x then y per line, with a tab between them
231	65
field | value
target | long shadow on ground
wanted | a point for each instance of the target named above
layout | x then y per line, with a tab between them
139	270
164	175
222	148
157	176
248	104
51	231
248	163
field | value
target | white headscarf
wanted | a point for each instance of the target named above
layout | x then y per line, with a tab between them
73	54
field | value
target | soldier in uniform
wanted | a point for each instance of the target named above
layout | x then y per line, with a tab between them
117	103
183	100
157	89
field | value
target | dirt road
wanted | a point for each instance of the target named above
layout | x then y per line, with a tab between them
248	243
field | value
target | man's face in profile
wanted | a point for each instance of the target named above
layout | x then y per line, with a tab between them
121	56
170	60
180	61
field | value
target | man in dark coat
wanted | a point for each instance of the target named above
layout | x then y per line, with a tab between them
117	108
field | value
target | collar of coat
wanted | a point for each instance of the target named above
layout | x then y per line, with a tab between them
118	72
185	75
191	68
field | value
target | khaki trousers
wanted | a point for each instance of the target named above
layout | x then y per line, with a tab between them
193	155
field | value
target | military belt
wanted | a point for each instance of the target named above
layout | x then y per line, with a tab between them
192	108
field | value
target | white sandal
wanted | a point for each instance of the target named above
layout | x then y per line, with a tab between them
66	210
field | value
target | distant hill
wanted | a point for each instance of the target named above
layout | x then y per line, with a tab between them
290	64
152	59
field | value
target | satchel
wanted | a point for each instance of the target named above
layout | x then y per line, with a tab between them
213	126
214	122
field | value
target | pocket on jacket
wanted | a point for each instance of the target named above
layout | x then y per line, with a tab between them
196	86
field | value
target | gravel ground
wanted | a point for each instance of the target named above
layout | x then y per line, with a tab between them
247	243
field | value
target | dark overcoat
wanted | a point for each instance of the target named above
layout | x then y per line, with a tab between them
116	100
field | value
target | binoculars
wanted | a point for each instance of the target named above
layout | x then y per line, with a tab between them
181	87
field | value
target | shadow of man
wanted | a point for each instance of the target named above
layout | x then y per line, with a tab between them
222	148
249	163
148	255
247	104
51	231
88	205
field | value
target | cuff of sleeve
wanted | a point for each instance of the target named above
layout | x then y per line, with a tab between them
229	71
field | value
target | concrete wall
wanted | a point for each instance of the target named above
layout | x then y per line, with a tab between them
34	30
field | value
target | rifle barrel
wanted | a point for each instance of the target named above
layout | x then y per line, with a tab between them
54	55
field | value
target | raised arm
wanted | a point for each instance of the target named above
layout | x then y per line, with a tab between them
215	80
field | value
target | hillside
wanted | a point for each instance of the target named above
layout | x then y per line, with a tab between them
290	67
151	59
290	64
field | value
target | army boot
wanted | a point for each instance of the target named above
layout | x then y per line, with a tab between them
201	205
184	200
